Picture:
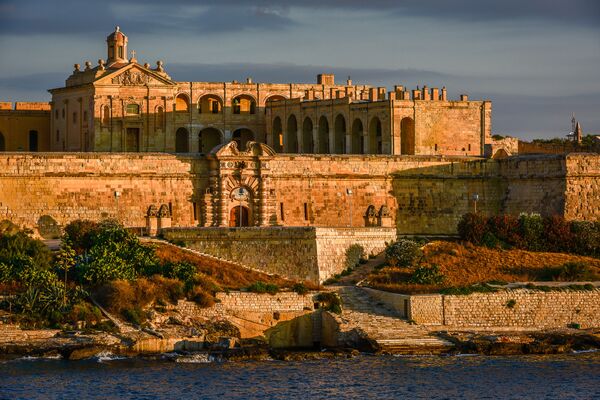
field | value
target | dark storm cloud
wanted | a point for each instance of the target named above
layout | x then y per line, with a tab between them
217	16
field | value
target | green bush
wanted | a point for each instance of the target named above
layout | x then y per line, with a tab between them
472	227
427	275
354	254
532	232
300	288
262	287
331	302
403	253
575	271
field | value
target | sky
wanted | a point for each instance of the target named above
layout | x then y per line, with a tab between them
538	61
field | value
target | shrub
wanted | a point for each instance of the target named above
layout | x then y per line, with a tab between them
402	253
558	234
506	229
201	297
331	302
575	271
586	237
491	241
354	254
300	288
532	231
135	315
80	233
472	227
14	248
427	275
262	287
511	303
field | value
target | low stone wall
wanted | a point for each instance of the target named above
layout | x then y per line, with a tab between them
338	247
257	314
308	253
520	308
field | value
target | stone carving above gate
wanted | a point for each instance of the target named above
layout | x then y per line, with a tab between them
130	78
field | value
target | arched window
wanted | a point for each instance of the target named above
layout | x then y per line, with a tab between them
210	104
307	136
277	135
291	137
2	142
208	139
181	141
323	135
244	104
105	115
407	136
33	141
273	99
182	103
340	135
133	109
357	137
375	137
160	118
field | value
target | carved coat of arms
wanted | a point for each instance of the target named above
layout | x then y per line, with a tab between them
132	78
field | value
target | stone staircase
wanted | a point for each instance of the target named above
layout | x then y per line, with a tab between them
391	333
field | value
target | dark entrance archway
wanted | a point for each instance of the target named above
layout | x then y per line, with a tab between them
239	216
181	141
242	136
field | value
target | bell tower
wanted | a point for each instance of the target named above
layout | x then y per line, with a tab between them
117	47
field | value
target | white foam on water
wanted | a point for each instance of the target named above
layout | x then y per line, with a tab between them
197	358
105	356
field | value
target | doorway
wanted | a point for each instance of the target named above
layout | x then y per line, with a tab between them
238	216
133	139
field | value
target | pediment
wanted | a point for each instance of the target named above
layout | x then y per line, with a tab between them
134	75
252	149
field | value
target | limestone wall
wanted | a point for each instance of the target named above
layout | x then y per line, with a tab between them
286	251
338	247
309	253
513	308
582	196
531	309
64	187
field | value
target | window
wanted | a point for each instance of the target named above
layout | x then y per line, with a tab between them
195	211
160	118
75	117
63	113
133	109
306	211
55	114
436	147
469	146
281	212
33	141
57	135
120	51
105	115
111	52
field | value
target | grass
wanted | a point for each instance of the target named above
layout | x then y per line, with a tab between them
466	267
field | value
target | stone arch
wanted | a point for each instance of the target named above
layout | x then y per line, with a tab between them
2	142
242	136
182	141
243	104
210	104
182	103
277	135
272	99
160	117
208	139
33	141
307	136
357	145
105	115
500	154
291	137
375	136
407	136
239	216
339	137
323	135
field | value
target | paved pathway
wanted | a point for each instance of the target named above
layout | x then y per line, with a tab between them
392	333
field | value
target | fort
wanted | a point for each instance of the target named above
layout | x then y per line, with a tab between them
123	140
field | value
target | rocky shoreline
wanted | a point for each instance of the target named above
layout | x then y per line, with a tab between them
80	345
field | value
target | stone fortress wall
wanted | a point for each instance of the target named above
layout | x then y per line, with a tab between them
518	308
423	195
306	253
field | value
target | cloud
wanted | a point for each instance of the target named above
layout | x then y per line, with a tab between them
24	17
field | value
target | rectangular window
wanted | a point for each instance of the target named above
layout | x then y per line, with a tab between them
58	136
195	212
74	117
436	147
469	146
120	51
306	211
281	211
